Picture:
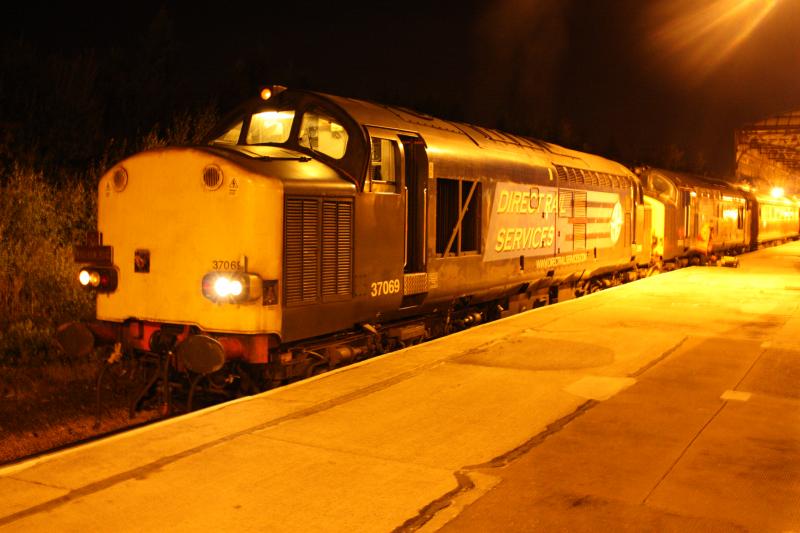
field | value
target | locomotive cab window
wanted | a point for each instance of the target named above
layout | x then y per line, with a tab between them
268	127
664	188
231	136
323	134
384	167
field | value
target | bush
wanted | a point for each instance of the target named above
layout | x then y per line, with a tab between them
39	223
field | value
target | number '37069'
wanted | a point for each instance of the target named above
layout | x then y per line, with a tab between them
380	288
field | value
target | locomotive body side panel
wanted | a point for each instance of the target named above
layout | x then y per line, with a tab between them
777	219
376	245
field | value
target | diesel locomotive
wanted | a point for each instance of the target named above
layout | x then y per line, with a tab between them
696	218
313	230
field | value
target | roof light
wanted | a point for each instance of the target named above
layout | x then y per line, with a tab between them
270	91
777	192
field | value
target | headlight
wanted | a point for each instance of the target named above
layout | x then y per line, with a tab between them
99	279
234	287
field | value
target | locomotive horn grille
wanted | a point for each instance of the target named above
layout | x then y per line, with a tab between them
120	179
212	177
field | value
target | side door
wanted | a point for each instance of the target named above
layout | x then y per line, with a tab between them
399	165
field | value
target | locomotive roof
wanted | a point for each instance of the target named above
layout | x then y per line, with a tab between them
692	181
446	141
436	130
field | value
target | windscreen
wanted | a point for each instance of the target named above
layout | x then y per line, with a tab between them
268	127
265	127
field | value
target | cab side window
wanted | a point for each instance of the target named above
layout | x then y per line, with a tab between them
384	166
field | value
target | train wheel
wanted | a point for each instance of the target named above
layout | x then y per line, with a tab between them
653	270
594	286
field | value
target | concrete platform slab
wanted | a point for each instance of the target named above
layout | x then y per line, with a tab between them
670	404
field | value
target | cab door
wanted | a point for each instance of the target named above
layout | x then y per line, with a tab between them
416	200
399	164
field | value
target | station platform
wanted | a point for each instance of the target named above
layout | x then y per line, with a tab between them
668	404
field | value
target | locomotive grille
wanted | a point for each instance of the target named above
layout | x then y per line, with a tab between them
565	199
301	255
579	236
337	248
577	176
580	204
318	250
212	177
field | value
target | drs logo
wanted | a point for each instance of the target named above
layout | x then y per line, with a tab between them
380	288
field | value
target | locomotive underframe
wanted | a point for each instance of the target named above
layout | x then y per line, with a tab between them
144	357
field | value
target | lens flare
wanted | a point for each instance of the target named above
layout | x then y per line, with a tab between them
697	37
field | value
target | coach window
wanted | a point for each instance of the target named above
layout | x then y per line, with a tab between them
384	165
457	216
323	134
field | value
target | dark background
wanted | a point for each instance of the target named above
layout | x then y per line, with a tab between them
657	81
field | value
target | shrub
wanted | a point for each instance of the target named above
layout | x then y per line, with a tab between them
39	223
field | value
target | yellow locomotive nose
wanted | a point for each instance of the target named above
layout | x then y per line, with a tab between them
194	235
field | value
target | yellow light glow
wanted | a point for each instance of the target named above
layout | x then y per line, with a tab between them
698	37
777	192
87	278
235	287
266	93
731	214
221	287
225	287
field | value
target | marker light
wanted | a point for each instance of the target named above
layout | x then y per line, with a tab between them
99	279
266	93
86	278
233	287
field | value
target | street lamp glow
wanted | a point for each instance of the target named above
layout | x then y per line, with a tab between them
697	37
777	192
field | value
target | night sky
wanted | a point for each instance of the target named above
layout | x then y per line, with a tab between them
633	80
